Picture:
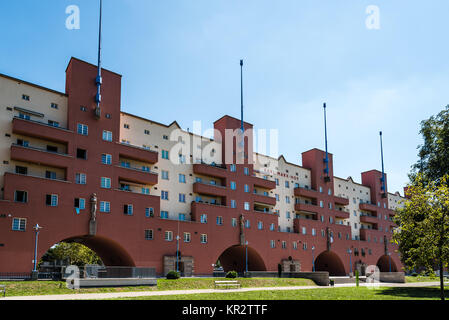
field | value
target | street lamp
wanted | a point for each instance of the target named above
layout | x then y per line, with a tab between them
177	253
37	227
313	258
350	261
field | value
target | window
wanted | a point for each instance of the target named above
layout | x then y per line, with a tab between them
287	199
234	222
287	184
126	126
147	132
284	245
219	221
82	129
304	246
168	236
107	135
203	218
25	97
233	168
247	206
146	169
165	154
125	164
187	237
51	200
149	212
247	224
182	159
233	204
21	170
164	214
53	123
203	238
272	227
164	195
164	175
304	230
247	188
313	232
81	154
246	171
260	225
181	217
149	234
277	197
277	181
295	245
146	191
182	197
80	203
233	185
128	209
182	178
20	196
321	204
165	137
80	178
272	244
24	116
287	215
22	143
54	106
106	183
105	206
52	149
19	224
106	159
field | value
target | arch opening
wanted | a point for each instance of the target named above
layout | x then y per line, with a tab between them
234	259
385	264
330	262
109	252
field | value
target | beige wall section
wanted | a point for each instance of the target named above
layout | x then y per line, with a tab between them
158	137
282	171
356	193
11	91
395	201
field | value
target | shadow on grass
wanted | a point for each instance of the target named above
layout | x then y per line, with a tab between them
414	293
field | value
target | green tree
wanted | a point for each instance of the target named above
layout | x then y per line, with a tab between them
77	254
423	222
433	154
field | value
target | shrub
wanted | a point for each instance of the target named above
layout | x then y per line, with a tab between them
231	275
172	275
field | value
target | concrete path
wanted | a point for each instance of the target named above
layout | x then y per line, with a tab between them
101	296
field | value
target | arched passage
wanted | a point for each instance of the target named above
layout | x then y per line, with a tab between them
385	262
234	259
330	262
110	252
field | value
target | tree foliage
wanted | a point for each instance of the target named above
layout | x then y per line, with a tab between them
433	154
423	236
75	253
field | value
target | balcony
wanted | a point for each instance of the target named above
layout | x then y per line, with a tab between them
137	175
41	130
40	156
341	214
263	199
307	207
210	170
138	154
209	189
308	193
368	207
264	183
369	219
341	201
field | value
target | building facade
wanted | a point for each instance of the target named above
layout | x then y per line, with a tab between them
141	193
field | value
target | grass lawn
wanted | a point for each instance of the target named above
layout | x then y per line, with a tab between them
410	279
342	293
34	288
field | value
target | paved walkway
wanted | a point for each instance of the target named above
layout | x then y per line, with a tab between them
100	296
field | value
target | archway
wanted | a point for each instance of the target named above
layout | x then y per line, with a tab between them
234	259
110	252
384	264
330	262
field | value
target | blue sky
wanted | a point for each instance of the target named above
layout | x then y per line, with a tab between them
180	61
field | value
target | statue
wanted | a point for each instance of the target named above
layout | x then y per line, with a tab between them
242	230
93	207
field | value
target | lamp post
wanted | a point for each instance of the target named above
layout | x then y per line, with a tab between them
37	227
313	258
389	260
350	261
177	253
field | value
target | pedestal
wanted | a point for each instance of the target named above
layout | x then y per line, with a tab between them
92	228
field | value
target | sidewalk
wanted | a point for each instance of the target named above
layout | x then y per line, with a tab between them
100	296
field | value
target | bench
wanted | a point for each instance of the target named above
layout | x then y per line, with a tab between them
3	289
227	284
